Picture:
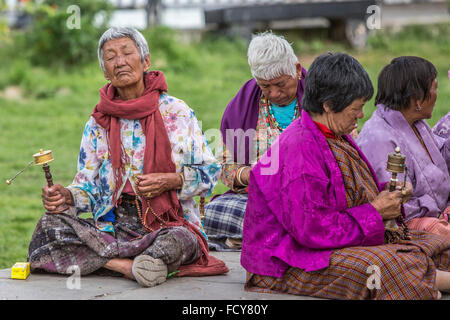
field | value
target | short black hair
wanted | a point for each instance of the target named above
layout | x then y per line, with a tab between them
405	78
336	79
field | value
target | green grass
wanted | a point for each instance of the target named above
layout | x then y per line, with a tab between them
56	103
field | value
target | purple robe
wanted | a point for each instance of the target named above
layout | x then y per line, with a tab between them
298	215
242	113
387	129
442	131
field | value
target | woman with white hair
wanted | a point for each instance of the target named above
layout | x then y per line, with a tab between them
252	121
143	158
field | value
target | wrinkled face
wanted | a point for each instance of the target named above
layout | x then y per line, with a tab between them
427	106
281	90
346	121
123	65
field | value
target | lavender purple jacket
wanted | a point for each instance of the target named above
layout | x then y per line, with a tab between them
387	129
298	215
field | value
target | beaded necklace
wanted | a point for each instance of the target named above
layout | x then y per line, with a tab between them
416	132
270	117
141	217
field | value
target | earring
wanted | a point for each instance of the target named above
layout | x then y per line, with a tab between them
418	108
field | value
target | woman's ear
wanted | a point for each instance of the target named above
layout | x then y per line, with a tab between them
298	67
147	62
326	107
415	104
106	76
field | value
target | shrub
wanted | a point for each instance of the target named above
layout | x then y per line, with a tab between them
170	53
59	36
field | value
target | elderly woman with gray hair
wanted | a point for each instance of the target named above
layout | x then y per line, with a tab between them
264	106
143	158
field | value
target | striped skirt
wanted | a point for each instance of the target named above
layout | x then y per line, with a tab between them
438	226
406	270
224	219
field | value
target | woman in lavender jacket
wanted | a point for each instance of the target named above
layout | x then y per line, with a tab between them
442	132
314	222
407	92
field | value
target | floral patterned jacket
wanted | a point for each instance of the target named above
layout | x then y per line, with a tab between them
93	185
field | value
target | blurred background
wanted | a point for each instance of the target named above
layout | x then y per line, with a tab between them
50	76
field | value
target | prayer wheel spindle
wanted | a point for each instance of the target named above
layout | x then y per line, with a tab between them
396	165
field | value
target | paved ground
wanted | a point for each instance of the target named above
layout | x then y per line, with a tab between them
55	287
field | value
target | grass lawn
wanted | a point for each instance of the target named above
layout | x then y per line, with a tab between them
54	104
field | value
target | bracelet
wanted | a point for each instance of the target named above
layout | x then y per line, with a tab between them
182	179
238	176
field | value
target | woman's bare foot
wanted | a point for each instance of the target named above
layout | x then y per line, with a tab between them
121	265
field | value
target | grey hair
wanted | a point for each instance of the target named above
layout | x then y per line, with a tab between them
122	32
271	56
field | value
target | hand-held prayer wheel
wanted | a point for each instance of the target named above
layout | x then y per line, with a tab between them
43	158
395	165
40	158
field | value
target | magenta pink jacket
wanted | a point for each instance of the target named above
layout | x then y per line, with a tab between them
297	210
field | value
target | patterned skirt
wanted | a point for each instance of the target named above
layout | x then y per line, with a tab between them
406	270
61	241
224	219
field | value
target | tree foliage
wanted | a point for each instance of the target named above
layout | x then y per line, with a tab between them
65	32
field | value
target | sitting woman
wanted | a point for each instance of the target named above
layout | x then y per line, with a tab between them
442	131
135	178
316	226
407	92
261	110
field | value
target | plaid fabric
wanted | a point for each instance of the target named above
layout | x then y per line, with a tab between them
60	241
224	218
407	271
407	268
360	186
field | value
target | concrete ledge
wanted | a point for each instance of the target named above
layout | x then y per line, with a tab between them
56	287
92	287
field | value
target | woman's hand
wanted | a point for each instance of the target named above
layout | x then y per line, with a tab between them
388	204
354	134
56	197
406	193
153	184
445	214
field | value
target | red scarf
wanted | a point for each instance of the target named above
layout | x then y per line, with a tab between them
108	113
325	131
157	154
